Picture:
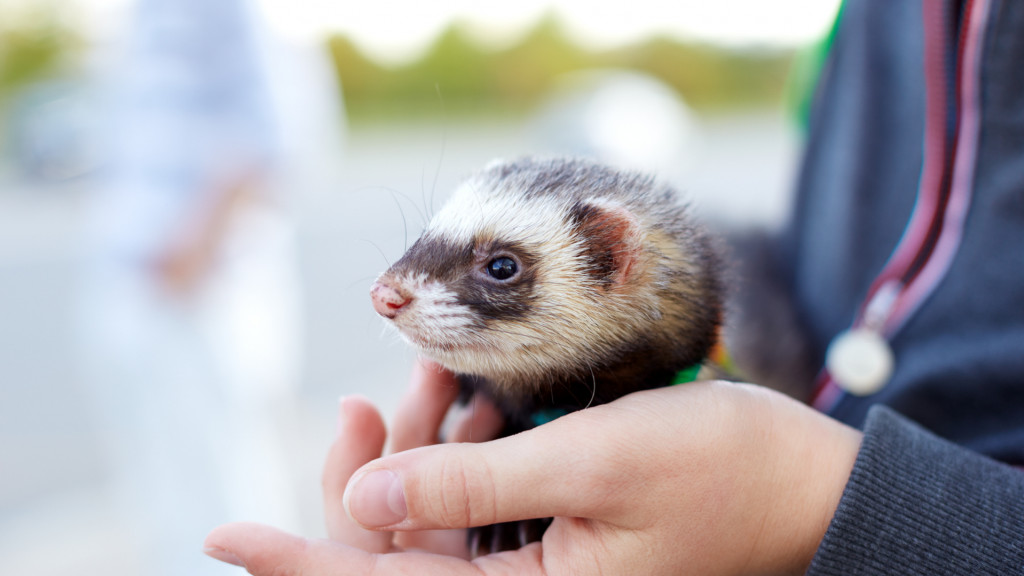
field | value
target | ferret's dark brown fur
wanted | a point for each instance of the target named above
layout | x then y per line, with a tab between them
557	284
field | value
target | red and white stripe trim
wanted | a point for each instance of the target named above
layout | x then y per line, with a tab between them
935	229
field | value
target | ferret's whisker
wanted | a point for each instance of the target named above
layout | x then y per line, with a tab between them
358	281
593	389
405	223
381	252
472	416
399	194
444	143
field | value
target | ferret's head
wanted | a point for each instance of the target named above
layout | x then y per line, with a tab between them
539	270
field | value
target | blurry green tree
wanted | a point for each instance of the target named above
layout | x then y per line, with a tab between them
462	75
457	73
34	44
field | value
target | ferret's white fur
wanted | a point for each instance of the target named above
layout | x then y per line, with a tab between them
544	341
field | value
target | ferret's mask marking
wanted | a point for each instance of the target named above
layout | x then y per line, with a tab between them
606	250
462	269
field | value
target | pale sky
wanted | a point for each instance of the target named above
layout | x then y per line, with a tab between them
396	29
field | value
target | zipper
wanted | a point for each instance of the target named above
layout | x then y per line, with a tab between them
932	236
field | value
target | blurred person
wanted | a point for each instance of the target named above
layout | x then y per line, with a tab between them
906	237
190	308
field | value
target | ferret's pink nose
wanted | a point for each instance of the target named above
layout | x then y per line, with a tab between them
387	301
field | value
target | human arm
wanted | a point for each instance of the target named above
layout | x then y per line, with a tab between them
191	137
189	254
711	477
916	504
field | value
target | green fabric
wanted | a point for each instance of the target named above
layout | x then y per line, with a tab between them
688	375
804	75
545	415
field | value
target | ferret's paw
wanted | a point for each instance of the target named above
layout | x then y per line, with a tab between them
484	540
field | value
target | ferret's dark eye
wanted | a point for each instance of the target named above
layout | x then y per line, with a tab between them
502	268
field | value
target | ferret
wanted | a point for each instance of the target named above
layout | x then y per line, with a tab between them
553	284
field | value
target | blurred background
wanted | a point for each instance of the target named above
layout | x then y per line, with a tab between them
196	195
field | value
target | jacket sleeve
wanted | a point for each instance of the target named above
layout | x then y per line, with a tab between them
917	504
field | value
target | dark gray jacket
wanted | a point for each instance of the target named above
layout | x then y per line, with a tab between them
916	504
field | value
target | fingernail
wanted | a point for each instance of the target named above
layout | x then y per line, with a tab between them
430	364
223	555
376	499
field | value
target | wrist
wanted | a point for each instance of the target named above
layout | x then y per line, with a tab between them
816	457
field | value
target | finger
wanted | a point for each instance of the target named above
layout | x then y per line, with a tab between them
266	551
480	421
568	467
360	439
419	416
446	542
418	421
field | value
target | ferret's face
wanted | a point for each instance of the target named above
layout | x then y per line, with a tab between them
502	285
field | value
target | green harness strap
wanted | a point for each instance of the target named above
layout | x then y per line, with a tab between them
545	415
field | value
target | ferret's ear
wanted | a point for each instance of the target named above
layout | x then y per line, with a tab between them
612	238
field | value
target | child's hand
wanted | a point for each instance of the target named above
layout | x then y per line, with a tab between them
707	478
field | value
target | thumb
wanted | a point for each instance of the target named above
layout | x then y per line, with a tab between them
560	469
